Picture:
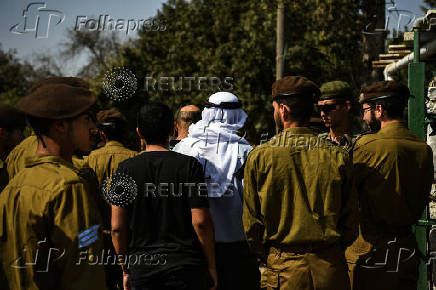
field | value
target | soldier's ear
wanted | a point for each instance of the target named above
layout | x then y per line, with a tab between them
285	111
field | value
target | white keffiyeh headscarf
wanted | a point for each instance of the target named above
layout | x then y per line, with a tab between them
215	143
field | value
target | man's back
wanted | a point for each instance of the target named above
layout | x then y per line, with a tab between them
169	184
104	161
300	185
43	210
394	172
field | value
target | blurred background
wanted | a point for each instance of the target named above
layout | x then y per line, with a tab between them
324	40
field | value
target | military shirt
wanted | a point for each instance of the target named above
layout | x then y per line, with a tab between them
298	193
345	141
16	159
49	228
393	175
104	161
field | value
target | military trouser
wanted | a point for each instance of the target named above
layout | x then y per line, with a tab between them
386	263
323	269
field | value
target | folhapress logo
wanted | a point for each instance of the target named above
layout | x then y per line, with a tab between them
38	19
88	236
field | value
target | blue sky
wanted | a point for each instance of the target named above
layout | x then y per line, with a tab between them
27	45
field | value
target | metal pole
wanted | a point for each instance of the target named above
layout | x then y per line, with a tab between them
417	125
280	39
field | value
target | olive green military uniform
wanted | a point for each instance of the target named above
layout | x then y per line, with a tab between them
105	160
16	159
300	210
393	173
46	206
50	232
345	141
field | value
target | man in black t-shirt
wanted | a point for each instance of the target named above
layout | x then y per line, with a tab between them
161	226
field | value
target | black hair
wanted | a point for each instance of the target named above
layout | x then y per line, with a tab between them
155	122
39	125
301	107
394	106
113	128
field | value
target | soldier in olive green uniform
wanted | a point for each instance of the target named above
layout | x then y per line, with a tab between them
104	161
12	123
49	224
393	176
16	159
335	106
300	208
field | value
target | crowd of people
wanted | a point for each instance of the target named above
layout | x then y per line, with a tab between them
198	206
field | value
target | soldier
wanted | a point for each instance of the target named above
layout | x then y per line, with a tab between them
393	176
335	106
12	123
186	116
299	204
49	225
104	161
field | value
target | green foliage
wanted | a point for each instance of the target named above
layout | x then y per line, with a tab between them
15	77
238	39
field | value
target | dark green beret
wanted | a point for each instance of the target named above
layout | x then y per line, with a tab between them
336	90
58	98
293	86
382	90
11	118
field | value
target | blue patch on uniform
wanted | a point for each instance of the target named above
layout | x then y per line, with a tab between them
88	236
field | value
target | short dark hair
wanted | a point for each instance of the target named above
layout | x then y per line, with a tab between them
39	125
113	129
155	122
394	106
301	107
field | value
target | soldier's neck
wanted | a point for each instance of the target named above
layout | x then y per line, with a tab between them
341	130
294	124
53	148
383	123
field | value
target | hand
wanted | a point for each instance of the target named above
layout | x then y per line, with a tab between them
214	276
126	282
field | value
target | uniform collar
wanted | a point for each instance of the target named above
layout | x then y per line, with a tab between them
393	126
45	158
114	143
297	130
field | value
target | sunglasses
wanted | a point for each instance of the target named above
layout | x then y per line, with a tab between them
326	108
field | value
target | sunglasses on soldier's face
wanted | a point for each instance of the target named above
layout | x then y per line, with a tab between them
326	108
